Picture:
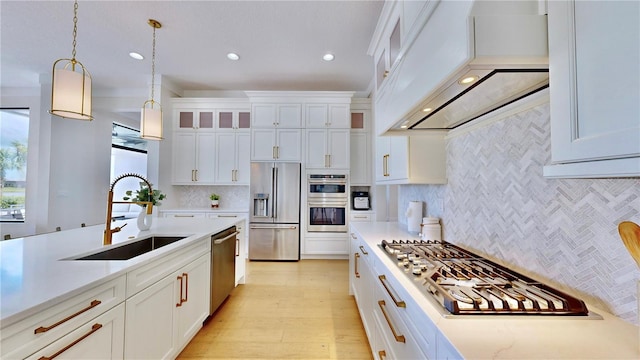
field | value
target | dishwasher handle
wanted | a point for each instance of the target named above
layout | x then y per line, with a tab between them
220	241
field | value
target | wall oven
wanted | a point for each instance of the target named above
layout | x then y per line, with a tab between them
327	203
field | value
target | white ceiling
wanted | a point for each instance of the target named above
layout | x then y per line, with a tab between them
280	43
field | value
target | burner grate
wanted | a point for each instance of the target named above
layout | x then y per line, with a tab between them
465	283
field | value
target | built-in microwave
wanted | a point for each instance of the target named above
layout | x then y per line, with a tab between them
327	216
327	186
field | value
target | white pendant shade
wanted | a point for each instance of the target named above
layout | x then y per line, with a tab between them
71	94
151	121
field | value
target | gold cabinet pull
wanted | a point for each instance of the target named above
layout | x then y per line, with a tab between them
186	287
382	354
399	303
363	250
273	152
179	278
94	328
356	256
277	152
42	329
399	338
227	216
196	174
176	215
353	236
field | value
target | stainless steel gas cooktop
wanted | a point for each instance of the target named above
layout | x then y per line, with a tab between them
468	284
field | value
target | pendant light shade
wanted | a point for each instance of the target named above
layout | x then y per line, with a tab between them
151	115
151	121
71	84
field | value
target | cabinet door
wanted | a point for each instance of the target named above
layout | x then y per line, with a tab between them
196	292
264	116
243	158
150	322
317	116
338	148
595	86
184	157
316	148
263	142
289	142
100	338
191	119
225	160
206	147
398	162
289	116
360	159
339	116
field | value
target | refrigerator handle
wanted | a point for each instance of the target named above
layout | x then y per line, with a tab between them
274	203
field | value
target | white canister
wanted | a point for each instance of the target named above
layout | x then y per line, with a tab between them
431	229
414	215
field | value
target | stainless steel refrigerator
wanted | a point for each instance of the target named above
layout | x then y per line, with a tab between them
274	225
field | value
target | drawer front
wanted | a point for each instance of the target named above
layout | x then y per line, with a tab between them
358	217
184	215
153	272
100	338
29	335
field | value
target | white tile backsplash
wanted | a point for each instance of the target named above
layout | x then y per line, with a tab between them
195	197
561	231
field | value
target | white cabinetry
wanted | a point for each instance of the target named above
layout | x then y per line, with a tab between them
276	144
361	283
232	158
411	159
100	338
328	148
171	300
323	244
594	88
63	323
320	116
268	116
192	160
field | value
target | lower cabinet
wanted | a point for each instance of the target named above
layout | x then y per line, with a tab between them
162	318
396	326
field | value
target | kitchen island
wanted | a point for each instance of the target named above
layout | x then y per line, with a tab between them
39	276
410	322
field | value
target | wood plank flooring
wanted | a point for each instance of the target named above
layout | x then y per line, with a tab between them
286	310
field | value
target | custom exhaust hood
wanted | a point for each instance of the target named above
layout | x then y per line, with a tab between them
507	60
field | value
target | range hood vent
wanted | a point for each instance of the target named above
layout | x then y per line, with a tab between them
500	87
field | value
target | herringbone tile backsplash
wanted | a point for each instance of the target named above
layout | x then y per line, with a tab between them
560	231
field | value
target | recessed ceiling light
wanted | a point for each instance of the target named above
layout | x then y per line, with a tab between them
233	56
328	57
427	109
136	56
468	80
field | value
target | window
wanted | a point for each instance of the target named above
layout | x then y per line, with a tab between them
14	135
128	155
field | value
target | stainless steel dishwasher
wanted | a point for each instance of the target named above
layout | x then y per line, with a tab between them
223	266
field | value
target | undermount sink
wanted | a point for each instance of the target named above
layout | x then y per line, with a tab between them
131	250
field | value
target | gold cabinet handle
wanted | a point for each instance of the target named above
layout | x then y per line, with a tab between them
196	174
179	278
385	165
399	303
356	256
273	152
399	338
186	288
228	216
94	328
42	329
363	250
176	215
278	152
192	177
353	236
382	354
386	73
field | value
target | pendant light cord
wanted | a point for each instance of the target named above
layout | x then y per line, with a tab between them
75	31
153	65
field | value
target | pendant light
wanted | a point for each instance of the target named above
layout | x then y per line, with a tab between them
151	116
71	84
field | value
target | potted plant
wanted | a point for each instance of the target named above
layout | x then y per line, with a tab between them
144	219
215	200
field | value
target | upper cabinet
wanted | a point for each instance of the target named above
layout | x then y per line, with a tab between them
268	116
233	119
594	52
320	116
192	119
416	159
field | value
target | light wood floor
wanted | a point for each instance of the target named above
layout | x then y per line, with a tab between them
286	310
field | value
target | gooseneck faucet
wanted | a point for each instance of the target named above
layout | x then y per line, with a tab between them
108	231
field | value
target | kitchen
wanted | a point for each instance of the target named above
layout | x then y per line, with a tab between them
496	202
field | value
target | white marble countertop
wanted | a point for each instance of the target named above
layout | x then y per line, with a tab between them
513	337
34	274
